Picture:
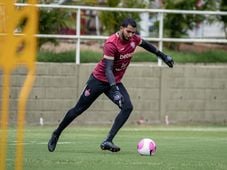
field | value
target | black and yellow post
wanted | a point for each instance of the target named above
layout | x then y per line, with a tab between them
16	49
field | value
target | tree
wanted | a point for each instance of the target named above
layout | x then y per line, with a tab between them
50	22
177	25
110	20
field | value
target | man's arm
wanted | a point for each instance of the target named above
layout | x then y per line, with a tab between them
149	47
109	71
117	96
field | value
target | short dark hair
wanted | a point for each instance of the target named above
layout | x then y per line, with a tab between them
128	21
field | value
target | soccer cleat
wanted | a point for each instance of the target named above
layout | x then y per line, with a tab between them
53	142
106	145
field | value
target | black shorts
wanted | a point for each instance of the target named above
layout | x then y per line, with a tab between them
95	88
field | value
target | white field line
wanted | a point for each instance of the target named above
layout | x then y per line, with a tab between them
187	129
37	143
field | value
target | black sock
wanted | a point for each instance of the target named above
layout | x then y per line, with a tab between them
69	117
119	121
109	138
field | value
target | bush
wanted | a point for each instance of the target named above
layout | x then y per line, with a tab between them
213	56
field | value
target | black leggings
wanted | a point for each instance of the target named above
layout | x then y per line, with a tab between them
93	89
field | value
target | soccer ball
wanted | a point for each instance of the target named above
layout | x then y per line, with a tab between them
146	147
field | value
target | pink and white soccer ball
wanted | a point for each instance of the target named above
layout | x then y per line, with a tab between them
146	147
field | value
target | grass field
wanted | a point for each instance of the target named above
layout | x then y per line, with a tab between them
178	148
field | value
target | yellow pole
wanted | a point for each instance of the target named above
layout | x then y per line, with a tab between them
4	118
24	93
10	58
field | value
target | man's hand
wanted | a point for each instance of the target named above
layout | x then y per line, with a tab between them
166	59
169	61
117	96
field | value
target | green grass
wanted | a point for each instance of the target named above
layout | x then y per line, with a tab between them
214	56
178	148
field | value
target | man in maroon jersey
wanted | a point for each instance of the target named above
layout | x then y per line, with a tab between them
106	78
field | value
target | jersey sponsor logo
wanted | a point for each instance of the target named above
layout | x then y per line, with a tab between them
129	55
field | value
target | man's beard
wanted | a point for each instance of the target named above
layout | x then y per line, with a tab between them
124	37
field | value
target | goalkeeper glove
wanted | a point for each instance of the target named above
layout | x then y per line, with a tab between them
166	59
117	96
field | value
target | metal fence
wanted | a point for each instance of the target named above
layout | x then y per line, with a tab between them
160	12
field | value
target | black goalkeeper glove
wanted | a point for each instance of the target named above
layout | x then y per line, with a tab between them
166	59
117	96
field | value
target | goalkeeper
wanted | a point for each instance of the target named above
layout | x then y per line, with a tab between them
106	78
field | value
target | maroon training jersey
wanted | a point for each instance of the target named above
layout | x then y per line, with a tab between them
121	51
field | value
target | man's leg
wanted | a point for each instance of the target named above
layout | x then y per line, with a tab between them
93	89
119	121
